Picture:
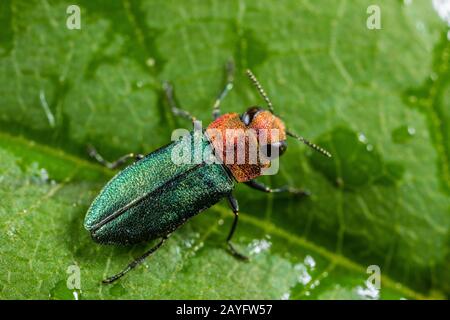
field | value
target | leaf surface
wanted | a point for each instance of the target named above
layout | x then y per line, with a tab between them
377	99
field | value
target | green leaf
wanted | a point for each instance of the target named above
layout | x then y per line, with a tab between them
377	99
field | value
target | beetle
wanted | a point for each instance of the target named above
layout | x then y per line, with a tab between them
152	197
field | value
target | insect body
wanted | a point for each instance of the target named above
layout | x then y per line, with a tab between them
155	195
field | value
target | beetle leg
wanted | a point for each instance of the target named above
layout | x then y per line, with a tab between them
112	165
262	187
136	262
226	89
168	89
235	207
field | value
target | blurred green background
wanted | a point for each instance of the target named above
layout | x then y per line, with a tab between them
377	99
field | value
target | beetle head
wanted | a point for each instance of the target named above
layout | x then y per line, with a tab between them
265	123
251	112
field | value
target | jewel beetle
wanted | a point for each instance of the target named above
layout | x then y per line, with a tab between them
152	197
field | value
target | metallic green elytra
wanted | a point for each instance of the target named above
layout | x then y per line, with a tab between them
156	194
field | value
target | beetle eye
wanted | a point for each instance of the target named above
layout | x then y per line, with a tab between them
271	151
282	147
248	115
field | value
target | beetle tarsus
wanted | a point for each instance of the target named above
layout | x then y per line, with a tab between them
115	164
133	264
300	192
262	187
116	276
236	253
235	207
168	89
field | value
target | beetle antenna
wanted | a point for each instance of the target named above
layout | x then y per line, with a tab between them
309	144
260	89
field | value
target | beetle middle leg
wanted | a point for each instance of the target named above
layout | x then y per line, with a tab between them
168	89
262	187
136	262
225	90
112	165
235	207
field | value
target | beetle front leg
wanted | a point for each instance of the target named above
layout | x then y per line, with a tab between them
135	262
235	207
226	89
262	187
112	165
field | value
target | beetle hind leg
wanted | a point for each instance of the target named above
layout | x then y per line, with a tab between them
235	207
133	264
115	164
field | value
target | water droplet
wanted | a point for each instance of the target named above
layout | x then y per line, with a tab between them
369	292
310	262
403	134
369	147
258	246
285	296
44	175
220	222
188	243
314	284
37	175
150	62
443	10
407	2
304	277
362	138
